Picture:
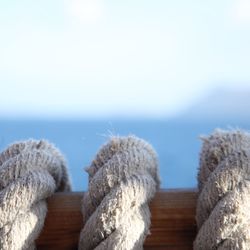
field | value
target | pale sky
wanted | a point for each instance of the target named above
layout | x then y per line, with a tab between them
94	58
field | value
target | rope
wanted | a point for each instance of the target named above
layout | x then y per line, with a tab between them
223	217
30	171
123	178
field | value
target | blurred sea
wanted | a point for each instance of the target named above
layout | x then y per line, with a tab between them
176	142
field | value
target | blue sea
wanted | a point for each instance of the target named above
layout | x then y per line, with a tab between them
176	142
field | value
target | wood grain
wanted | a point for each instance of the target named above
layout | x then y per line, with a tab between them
173	221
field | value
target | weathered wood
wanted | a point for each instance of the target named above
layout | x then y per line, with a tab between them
173	221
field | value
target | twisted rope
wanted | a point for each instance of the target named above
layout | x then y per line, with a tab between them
123	178
223	208
30	171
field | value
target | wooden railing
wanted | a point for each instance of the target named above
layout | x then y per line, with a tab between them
173	221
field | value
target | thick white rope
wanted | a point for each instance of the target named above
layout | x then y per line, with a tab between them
123	178
30	171
223	208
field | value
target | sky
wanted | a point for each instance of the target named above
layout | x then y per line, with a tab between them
96	58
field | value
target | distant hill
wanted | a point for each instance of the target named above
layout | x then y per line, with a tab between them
221	105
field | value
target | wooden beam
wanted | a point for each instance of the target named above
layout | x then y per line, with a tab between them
173	221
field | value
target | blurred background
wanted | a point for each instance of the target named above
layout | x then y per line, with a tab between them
77	71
